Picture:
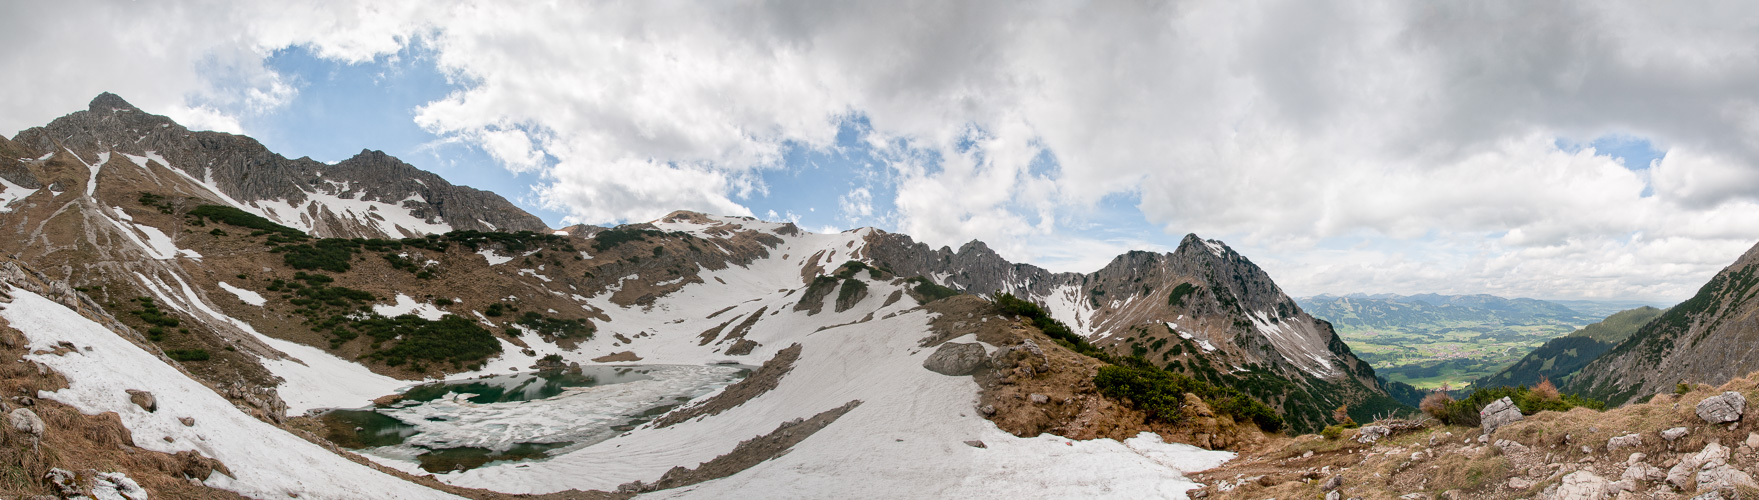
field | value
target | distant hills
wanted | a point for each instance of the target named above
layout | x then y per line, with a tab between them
1559	359
1430	340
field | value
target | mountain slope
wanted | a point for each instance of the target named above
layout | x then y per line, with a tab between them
1710	338
112	147
258	322
1203	310
1559	359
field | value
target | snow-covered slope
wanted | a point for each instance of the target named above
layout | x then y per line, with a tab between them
266	462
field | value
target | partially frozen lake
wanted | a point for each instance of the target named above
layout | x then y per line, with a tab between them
464	424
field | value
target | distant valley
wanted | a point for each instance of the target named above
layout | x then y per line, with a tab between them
1431	340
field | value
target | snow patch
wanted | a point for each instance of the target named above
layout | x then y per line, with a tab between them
12	193
406	305
246	296
495	259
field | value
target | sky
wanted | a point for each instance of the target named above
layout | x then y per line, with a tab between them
1569	150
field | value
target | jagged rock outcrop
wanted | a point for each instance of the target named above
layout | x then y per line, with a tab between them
1497	414
1722	408
1203	310
1702	340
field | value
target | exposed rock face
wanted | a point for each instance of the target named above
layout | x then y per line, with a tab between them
1499	413
369	195
1722	408
1203	309
1674	434
1582	485
1703	339
956	359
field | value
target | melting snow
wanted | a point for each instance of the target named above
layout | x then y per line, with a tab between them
406	305
266	462
495	259
247	296
12	193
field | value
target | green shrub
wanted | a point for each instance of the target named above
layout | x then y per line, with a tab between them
1332	432
930	291
240	218
1465	411
851	287
188	354
495	310
1177	297
1160	394
555	327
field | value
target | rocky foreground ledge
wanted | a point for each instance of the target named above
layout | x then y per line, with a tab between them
1699	445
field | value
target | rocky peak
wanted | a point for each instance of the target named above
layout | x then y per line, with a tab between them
108	102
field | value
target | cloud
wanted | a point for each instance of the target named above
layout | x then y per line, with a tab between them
1364	146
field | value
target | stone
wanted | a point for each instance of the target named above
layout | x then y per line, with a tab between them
1332	483
1333	495
1725	407
1625	441
976	444
987	410
1642	472
187	421
1039	398
1582	485
956	359
1674	433
1753	440
1372	433
143	399
1714	495
117	485
25	420
1724	477
1519	483
1499	413
1508	446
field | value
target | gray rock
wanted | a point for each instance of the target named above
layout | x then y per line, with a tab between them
1725	407
1674	433
1582	485
1039	398
987	410
955	359
1642	472
1508	446
976	444
26	420
1724	477
1625	441
1519	483
1333	495
1714	495
1499	413
143	399
1372	433
1332	483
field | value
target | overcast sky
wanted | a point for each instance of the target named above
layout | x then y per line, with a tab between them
1540	149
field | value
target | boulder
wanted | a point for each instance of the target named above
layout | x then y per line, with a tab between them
25	420
1642	472
1039	398
1508	446
1724	477
1499	413
956	359
1722	408
1625	441
1372	433
1674	433
143	399
1582	485
1333	483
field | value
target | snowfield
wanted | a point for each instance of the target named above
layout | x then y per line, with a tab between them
268	462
